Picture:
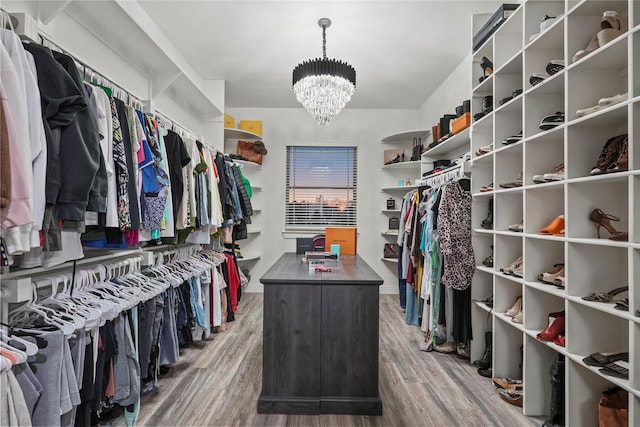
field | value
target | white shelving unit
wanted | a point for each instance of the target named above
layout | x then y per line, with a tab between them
592	264
404	171
251	171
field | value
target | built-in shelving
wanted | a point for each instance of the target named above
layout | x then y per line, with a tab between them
591	264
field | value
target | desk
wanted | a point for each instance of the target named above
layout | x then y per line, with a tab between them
320	339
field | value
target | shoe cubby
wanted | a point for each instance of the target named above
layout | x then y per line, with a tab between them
542	154
634	351
507	80
508	161
582	410
507	342
537	377
542	206
598	269
542	100
510	207
508	122
635	60
481	136
482	170
535	12
587	138
506	250
634	295
482	213
508	39
548	46
634	218
541	256
589	331
610	195
539	309
482	249
601	76
477	71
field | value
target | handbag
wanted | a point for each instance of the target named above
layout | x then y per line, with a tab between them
246	149
613	410
390	250
394	223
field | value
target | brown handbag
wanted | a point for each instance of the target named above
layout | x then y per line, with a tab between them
390	250
613	410
245	149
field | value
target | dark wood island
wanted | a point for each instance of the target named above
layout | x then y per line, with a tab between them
320	339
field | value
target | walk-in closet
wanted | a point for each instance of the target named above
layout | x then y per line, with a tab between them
354	213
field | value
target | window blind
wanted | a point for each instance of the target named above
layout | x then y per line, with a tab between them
321	187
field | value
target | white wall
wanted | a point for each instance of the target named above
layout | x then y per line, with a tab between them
361	128
451	93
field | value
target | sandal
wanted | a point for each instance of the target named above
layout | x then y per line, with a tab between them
551	121
615	370
549	277
559	282
555	66
514	397
518	228
507	383
538	78
608	297
554	228
599	359
622	304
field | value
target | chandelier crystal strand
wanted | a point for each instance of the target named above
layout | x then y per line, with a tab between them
324	86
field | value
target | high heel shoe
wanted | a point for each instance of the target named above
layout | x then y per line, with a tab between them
601	219
487	68
516	308
554	329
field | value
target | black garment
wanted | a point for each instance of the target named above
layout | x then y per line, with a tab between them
227	291
80	155
99	187
177	158
225	189
462	331
134	205
83	413
61	101
103	365
245	201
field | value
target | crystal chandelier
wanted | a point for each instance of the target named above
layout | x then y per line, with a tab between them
324	86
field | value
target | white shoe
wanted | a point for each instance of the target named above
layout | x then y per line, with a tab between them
616	99
590	110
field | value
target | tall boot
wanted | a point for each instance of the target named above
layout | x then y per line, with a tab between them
487	223
556	409
485	361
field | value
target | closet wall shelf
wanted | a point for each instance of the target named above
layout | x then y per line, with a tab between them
544	237
406	137
602	242
610	177
485	269
391	211
578	358
515	279
248	258
389	259
483	306
233	133
507	233
254	231
507	319
402	187
402	165
614	114
608	308
552	184
452	145
246	164
482	231
389	233
546	288
557	348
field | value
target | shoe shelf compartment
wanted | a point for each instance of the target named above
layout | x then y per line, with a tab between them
508	39
506	350
596	269
506	250
477	72
611	197
509	207
543	205
634	124
389	259
481	136
635	62
541	257
406	137
391	211
545	101
541	311
508	120
541	156
540	358
634	218
508	164
552	38
535	12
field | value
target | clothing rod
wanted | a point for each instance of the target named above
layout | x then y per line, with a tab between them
176	124
47	41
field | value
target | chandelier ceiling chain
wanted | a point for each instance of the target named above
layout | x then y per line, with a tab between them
324	86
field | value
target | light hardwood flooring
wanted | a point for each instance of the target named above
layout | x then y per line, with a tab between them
217	383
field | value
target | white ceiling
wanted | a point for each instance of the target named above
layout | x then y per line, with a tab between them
401	50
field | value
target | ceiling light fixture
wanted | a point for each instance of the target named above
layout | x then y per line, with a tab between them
324	86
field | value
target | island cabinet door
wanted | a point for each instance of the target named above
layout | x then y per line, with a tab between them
291	349
349	354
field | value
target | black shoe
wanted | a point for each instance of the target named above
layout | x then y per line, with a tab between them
487	373
551	121
487	223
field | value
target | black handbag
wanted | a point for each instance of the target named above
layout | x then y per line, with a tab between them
394	223
417	149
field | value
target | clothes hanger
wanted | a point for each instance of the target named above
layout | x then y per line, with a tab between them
30	348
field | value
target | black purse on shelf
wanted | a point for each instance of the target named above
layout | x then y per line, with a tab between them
417	149
394	223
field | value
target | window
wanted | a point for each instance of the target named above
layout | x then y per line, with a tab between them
321	187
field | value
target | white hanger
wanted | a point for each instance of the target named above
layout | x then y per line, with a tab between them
30	348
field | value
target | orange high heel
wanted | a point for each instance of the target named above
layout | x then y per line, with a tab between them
555	228
601	219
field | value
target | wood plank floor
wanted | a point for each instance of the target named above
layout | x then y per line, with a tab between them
217	383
